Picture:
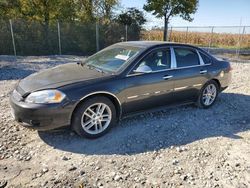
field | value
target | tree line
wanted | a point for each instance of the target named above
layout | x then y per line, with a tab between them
47	12
86	11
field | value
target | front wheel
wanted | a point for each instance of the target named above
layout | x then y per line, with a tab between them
94	117
208	94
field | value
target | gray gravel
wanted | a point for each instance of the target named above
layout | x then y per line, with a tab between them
176	147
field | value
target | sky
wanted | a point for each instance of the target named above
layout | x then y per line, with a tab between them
209	13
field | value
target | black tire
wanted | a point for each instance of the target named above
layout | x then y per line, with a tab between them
200	102
77	116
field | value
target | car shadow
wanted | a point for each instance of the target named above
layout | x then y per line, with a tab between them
159	130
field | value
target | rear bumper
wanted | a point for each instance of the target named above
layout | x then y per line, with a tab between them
40	116
225	80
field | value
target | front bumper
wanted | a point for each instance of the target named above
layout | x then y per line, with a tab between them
40	116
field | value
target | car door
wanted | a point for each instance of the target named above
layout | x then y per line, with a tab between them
191	74
153	88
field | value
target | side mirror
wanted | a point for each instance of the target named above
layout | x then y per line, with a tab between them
143	69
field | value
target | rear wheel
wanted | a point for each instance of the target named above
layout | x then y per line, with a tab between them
208	94
94	117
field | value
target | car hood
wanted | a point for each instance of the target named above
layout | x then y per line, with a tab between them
58	76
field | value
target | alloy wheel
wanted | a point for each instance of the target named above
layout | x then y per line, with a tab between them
96	118
209	94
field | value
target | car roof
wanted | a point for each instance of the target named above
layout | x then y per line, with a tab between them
148	44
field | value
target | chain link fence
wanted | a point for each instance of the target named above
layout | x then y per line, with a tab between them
22	37
234	40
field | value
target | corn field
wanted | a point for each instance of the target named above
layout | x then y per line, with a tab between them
204	39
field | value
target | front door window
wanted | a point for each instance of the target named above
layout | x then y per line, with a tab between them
157	60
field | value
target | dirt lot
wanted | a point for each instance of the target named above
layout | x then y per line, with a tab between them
177	147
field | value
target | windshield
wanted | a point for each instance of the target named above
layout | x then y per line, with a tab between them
113	58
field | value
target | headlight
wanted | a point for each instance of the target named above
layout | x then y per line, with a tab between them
45	96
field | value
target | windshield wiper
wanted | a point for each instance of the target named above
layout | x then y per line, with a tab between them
94	67
99	70
81	63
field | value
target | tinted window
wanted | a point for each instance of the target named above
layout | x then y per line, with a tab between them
186	57
205	58
157	60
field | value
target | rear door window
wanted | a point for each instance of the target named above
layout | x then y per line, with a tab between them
186	57
205	58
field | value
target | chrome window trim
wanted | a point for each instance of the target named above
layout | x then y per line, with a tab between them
191	66
200	58
210	60
189	48
173	61
173	58
158	48
137	74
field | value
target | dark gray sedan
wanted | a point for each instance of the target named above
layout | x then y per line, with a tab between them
123	79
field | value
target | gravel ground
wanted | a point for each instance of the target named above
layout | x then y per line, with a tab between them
176	147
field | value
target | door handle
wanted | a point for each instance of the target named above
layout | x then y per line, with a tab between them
167	77
203	71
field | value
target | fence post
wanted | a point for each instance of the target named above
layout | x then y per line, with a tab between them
240	39
97	35
211	38
186	35
59	38
126	32
12	36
